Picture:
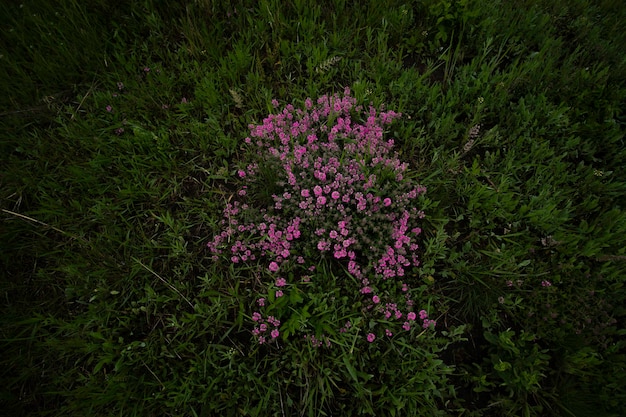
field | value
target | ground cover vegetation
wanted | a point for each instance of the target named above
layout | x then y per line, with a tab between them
274	208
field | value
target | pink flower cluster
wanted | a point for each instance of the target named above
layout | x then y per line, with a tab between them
318	342
343	196
266	329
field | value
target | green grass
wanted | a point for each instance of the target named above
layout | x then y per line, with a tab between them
111	304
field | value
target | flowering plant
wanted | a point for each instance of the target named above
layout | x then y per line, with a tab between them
327	200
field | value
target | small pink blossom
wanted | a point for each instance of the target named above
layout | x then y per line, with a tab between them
261	302
281	282
241	173
371	337
406	326
322	245
273	266
545	283
305	193
273	321
411	316
428	322
387	202
275	333
376	299
279	294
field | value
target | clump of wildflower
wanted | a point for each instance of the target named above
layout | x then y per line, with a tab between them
265	329
339	193
318	342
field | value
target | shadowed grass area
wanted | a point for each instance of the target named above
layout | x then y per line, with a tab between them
122	131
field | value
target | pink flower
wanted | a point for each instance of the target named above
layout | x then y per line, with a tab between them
273	266
335	195
322	245
388	333
366	290
109	108
387	202
406	326
241	173
281	282
371	337
317	190
321	200
376	299
546	283
256	316
275	333
428	323
411	316
279	294
261	302
305	193
423	314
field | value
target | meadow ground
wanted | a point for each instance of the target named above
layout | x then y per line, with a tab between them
123	128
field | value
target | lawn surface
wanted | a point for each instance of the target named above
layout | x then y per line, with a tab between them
122	132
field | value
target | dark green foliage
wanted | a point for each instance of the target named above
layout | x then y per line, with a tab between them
513	119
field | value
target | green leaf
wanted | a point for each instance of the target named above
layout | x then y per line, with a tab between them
350	368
